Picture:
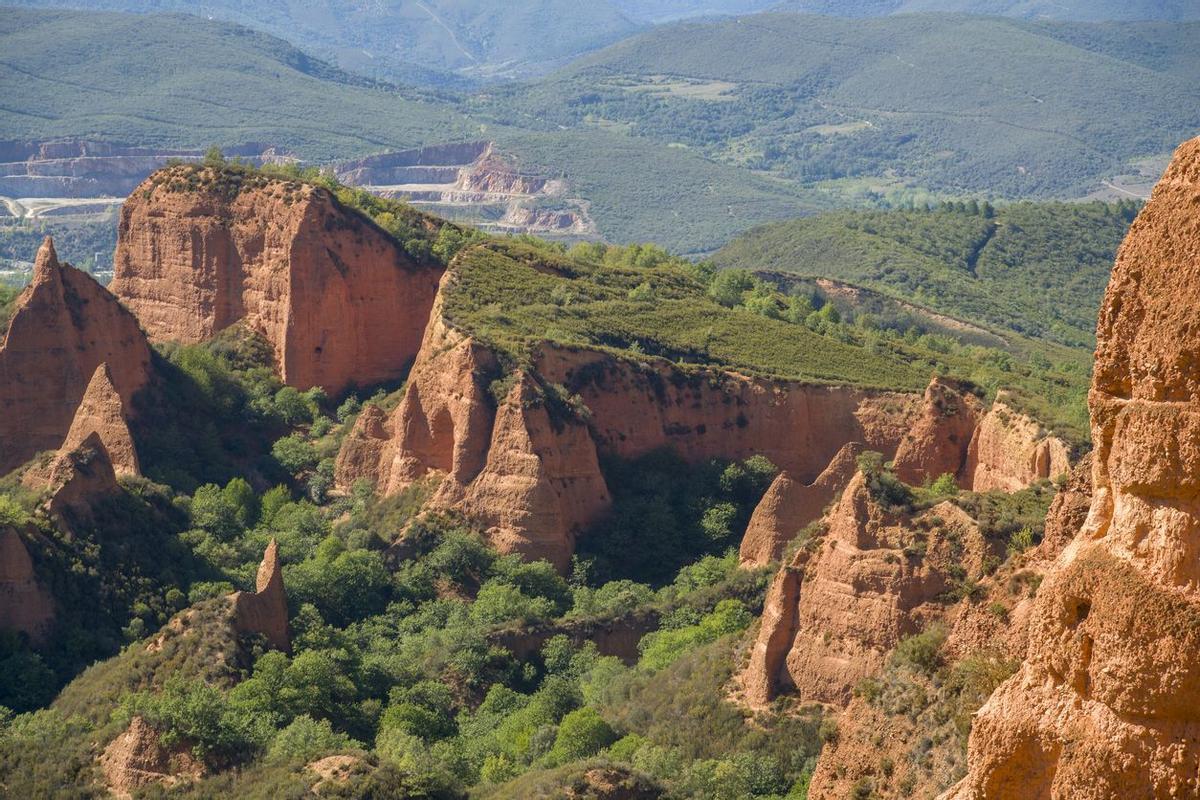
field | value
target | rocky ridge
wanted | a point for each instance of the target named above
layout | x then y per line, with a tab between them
264	611
64	328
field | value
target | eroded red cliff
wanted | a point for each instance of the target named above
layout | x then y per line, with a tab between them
526	466
1107	701
64	328
339	299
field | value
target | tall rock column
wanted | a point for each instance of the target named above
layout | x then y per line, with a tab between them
1107	702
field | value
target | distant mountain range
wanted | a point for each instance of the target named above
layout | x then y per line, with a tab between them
1075	10
444	42
686	134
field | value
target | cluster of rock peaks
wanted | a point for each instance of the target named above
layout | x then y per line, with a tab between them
70	342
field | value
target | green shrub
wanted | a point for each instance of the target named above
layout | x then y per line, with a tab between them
306	739
581	733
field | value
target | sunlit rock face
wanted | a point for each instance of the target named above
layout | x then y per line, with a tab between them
1107	702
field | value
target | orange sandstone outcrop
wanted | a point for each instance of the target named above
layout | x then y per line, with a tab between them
789	505
137	758
937	444
1009	451
64	327
338	298
835	612
527	467
80	478
541	484
1107	701
102	412
264	611
24	605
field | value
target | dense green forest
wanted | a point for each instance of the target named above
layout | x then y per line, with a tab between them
1036	268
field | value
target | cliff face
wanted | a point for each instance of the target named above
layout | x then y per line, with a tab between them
839	607
789	505
1107	702
529	470
64	328
339	300
1009	451
102	412
937	444
24	605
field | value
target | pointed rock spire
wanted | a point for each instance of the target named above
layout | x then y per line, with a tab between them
102	412
45	265
265	610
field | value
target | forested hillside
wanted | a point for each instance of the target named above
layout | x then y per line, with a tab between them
407	40
950	103
1039	269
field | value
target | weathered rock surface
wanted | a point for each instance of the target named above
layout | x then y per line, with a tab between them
1107	702
264	611
529	472
541	484
338	299
64	327
80	478
1010	451
102	412
1069	510
137	758
789	505
938	441
636	408
25	606
838	608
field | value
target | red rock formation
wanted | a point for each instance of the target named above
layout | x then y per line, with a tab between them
834	614
937	443
535	482
789	505
264	611
442	426
1107	702
1011	451
64	327
541	484
24	605
638	407
137	758
102	412
1069	510
763	675
339	299
80	478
